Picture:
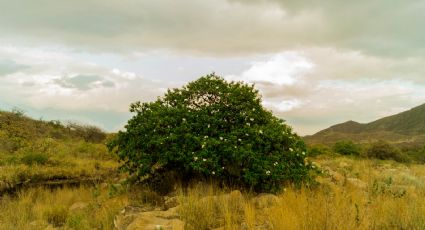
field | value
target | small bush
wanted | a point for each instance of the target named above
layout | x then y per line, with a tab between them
57	215
35	158
385	151
318	150
346	148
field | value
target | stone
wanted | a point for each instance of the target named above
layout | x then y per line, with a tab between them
171	202
265	200
78	206
164	220
356	183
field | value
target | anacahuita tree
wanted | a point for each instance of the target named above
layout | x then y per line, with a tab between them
212	129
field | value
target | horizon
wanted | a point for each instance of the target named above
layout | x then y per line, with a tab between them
315	64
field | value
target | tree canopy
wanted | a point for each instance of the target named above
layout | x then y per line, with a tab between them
212	128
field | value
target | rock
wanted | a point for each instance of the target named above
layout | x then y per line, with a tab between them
343	164
165	220
170	202
357	183
265	200
336	177
78	206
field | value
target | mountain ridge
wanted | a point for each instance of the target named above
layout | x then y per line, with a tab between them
407	126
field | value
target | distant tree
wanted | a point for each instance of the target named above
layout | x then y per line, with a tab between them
214	129
346	148
385	151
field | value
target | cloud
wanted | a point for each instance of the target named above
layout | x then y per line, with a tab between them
343	85
83	82
9	67
218	27
281	69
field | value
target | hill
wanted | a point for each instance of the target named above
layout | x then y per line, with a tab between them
36	151
405	127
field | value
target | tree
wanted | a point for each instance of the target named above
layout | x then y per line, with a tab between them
346	148
214	129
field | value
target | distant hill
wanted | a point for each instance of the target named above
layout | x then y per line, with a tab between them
405	127
16	128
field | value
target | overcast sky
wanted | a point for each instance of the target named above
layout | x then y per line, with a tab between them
317	63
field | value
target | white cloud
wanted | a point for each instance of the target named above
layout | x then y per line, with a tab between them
280	69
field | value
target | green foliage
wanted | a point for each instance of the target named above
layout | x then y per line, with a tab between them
212	129
385	151
35	158
317	149
346	148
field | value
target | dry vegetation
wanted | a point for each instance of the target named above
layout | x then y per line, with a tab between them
352	194
71	208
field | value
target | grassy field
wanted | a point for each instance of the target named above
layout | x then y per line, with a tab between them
352	193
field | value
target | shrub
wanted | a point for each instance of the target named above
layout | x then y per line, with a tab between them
385	151
316	150
211	129
35	158
346	148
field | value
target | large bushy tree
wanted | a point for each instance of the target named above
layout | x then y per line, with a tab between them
212	128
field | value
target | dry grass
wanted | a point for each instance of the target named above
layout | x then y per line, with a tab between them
71	208
352	194
388	196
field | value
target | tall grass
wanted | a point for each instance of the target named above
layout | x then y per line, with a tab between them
393	198
76	208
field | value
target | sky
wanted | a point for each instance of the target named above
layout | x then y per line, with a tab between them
316	63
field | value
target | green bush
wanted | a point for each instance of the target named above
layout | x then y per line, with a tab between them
347	148
385	151
35	158
212	129
316	150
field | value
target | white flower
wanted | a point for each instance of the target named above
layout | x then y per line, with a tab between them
303	153
221	138
236	147
248	124
252	119
239	139
290	149
253	109
184	119
222	167
268	172
205	137
275	163
209	125
203	146
195	158
284	189
246	134
216	87
313	166
213	172
193	153
261	131
204	159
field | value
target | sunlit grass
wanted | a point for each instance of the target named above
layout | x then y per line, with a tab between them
77	208
393	198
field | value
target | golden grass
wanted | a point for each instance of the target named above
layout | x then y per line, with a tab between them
71	208
391	197
353	194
